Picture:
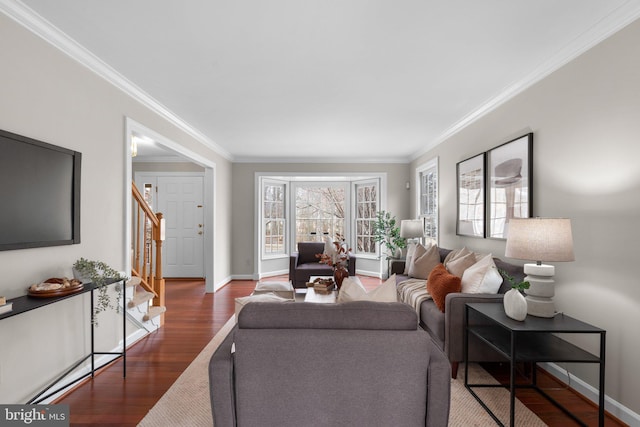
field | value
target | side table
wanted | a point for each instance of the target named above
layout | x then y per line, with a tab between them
533	340
391	260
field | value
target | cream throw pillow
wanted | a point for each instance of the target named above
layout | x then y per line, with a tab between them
455	253
424	260
352	290
482	277
411	250
458	265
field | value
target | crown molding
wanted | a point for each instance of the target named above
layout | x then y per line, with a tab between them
603	29
35	23
335	160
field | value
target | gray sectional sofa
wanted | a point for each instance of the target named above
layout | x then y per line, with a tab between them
302	364
447	329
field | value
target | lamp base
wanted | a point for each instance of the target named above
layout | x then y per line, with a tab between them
541	290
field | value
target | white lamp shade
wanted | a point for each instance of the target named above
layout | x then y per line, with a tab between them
411	228
540	239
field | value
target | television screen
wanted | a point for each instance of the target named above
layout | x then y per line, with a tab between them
39	193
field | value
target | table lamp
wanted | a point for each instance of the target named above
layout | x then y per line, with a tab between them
411	229
540	239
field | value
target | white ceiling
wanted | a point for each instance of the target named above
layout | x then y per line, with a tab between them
304	80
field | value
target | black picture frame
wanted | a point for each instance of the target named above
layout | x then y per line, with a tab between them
509	184
471	196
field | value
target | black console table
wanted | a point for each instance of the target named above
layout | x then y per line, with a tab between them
533	340
27	303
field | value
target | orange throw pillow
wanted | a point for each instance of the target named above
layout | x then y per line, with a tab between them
441	283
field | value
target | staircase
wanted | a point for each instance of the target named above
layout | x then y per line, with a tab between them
145	291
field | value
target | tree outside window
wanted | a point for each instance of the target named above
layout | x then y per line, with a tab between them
320	211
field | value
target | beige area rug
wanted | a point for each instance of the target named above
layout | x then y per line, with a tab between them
187	403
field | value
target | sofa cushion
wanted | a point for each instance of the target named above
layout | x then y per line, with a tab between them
441	283
432	320
352	290
312	269
423	261
482	277
279	288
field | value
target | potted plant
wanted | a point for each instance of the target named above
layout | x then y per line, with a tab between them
386	230
100	275
515	305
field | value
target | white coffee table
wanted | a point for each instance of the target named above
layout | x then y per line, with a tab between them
312	296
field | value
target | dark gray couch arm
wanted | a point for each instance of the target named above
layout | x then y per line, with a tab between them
221	378
351	265
454	325
293	263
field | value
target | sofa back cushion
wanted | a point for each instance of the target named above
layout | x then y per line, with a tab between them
329	377
516	271
363	315
307	252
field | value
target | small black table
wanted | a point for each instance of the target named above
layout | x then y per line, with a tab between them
533	340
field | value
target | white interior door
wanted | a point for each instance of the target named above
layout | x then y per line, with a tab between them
180	199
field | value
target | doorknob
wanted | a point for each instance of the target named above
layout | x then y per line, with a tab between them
200	232
199	225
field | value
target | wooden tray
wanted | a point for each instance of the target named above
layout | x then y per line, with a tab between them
55	292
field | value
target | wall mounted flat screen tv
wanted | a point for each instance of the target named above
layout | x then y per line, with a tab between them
39	193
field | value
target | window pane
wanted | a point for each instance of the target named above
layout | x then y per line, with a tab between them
366	210
273	219
429	202
319	211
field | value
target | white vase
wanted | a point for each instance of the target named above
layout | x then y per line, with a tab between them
515	305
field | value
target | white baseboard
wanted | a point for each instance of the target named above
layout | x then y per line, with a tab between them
274	273
615	408
370	273
243	277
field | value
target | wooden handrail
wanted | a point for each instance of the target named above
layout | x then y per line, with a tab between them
143	204
146	246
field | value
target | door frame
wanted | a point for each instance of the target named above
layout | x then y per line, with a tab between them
131	127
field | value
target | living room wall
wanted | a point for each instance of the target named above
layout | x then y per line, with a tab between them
244	203
584	118
48	96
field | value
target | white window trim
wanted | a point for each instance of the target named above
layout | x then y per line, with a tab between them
292	208
292	177
354	183
431	164
264	181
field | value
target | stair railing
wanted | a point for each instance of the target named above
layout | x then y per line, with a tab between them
147	238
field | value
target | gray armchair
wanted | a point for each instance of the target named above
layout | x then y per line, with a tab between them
304	264
304	364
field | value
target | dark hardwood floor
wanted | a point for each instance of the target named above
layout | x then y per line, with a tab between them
193	317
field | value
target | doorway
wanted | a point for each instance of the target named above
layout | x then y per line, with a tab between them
174	153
